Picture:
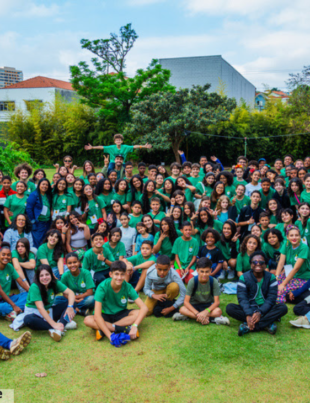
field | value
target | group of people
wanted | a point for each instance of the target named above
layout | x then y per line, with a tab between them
88	245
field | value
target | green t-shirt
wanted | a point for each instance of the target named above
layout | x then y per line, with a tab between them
94	212
293	200
138	259
114	302
118	251
91	261
246	201
226	249
61	202
123	199
292	255
270	251
107	200
35	295
281	228
203	293
16	255
46	210
230	191
134	220
236	182
6	276
137	195
195	181
31	187
201	189
44	252
16	205
243	263
186	250
76	202
217	225
157	216
265	199
85	179
305	196
166	245
113	151
273	219
304	231
171	178
79	284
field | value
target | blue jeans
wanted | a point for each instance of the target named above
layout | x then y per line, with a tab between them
19	300
56	271
135	278
39	230
34	321
218	273
86	303
29	274
5	342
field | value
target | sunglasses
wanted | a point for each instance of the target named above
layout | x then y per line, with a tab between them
258	262
68	160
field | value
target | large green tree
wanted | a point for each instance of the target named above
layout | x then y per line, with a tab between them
105	85
162	119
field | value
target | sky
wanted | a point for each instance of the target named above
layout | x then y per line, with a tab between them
264	40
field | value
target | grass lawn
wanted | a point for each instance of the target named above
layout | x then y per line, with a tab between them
171	362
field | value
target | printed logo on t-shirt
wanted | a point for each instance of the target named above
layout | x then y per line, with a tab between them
306	231
7	277
228	193
296	258
52	295
96	205
208	255
64	200
83	285
123	300
190	249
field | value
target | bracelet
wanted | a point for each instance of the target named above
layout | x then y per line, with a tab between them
24	279
207	309
135	325
70	306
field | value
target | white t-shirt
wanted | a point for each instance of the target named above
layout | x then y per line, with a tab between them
249	188
128	238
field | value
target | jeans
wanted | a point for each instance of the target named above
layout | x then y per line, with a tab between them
39	230
275	313
29	274
56	271
172	290
5	342
135	278
34	321
86	303
100	276
19	300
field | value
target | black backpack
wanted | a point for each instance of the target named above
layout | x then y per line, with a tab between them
196	285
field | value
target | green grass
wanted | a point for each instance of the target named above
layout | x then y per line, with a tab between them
171	362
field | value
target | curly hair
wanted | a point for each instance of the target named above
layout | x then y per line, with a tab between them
210	221
28	225
228	175
172	231
218	204
274	232
304	220
212	231
20	167
298	183
243	247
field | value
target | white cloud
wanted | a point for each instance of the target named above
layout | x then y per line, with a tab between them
20	8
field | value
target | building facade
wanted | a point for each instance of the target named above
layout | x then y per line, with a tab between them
214	70
9	76
29	92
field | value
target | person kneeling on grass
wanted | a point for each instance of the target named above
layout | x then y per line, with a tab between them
40	311
257	295
301	297
202	297
162	286
10	306
10	347
112	318
81	283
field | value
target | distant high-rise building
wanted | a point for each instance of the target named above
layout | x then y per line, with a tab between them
9	76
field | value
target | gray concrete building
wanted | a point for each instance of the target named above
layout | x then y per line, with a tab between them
200	70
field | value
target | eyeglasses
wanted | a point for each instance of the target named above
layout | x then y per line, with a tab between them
258	262
21	219
67	160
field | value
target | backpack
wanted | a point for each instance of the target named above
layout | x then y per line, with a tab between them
196	285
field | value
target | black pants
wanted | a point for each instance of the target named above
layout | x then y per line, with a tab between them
298	299
276	312
34	321
302	308
100	276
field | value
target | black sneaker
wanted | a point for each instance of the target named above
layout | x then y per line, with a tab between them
271	329
122	329
243	329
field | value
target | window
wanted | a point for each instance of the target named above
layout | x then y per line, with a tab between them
34	104
7	106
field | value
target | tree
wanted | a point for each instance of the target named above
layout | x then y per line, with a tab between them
11	156
161	119
299	79
112	92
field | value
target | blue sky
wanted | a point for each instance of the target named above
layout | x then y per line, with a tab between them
264	40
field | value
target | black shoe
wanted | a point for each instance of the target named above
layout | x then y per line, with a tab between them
271	329
243	329
122	329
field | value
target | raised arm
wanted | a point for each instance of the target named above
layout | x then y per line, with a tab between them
147	145
90	147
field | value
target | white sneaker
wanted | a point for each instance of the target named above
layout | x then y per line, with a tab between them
56	335
302	321
221	276
231	275
71	325
179	316
222	320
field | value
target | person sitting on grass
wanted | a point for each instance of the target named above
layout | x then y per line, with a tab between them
202	297
137	265
41	313
81	283
10	347
301	297
257	295
112	317
186	249
10	305
162	286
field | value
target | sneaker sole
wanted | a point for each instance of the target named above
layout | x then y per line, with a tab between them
303	326
4	354
55	336
25	340
8	319
223	323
